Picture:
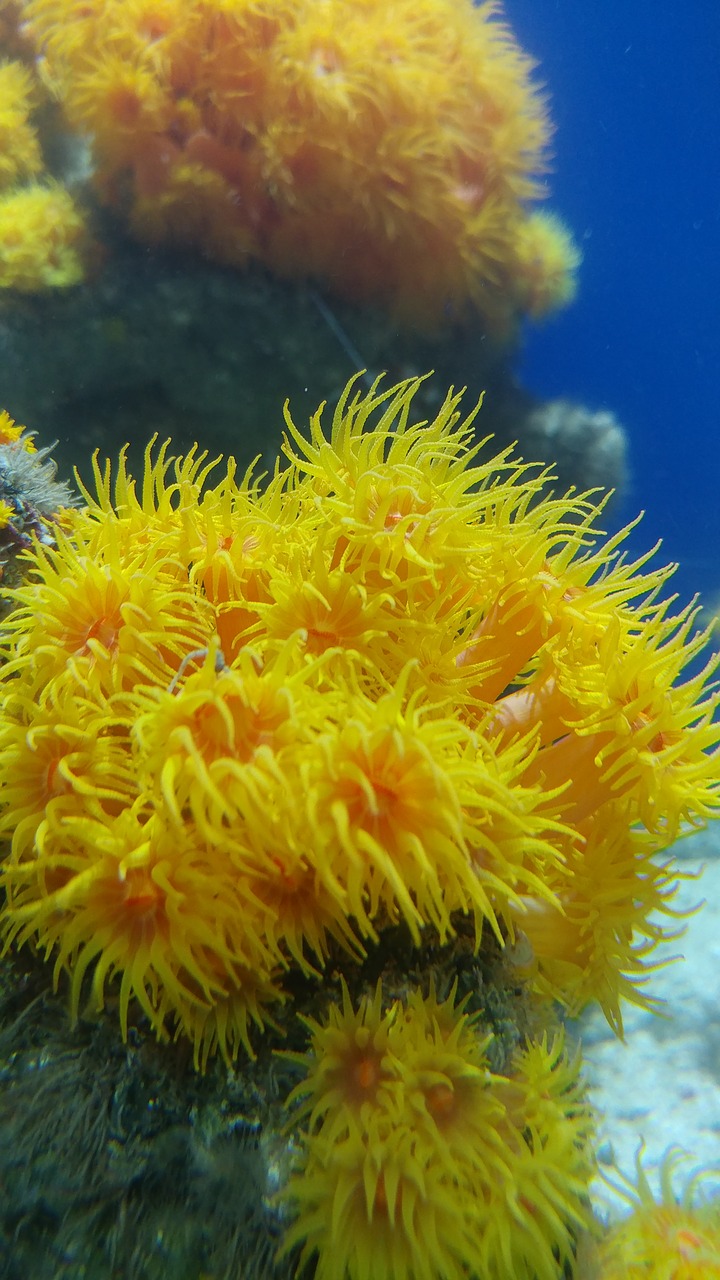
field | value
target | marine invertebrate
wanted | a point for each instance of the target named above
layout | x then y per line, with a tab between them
388	153
491	727
547	260
673	1237
420	1162
42	232
42	237
19	146
31	498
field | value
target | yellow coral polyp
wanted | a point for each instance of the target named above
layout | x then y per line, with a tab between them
587	953
42	238
12	433
673	1236
548	260
117	896
210	745
413	820
390	153
330	608
479	722
419	1162
62	759
111	621
350	1066
223	1025
20	156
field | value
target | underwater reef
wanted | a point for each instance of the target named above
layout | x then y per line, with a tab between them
194	193
390	153
331	784
322	794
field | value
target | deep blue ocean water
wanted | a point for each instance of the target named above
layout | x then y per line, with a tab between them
635	94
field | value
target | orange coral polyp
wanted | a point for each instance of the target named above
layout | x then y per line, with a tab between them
349	1066
390	811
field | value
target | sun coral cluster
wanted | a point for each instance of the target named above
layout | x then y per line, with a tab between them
420	1162
42	238
42	232
243	725
388	151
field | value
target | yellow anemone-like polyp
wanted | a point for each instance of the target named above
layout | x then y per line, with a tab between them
43	238
419	1162
673	1236
20	155
119	898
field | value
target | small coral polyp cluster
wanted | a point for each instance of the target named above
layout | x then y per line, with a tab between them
42	233
409	1126
387	151
253	730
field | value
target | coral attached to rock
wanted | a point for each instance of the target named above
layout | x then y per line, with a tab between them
42	232
386	151
390	709
243	724
420	1162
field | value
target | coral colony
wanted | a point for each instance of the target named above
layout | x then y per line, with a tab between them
391	709
390	153
338	782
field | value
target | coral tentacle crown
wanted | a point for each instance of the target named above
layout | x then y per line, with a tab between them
246	723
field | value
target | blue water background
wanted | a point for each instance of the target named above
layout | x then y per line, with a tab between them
635	94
